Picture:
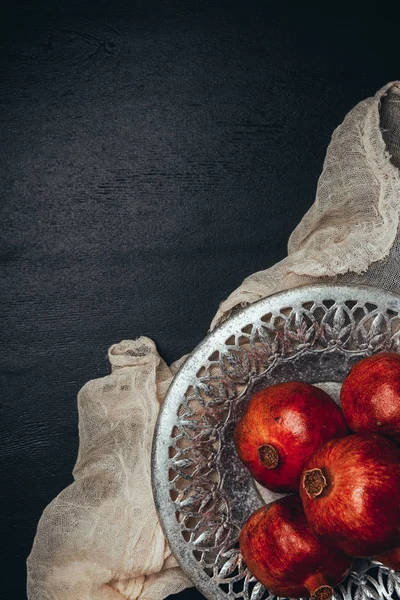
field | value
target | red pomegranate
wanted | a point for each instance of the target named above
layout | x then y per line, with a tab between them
350	491
390	558
283	426
282	552
370	395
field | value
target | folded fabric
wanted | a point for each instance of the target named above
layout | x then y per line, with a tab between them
100	539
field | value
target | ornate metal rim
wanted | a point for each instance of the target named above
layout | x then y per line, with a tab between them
202	492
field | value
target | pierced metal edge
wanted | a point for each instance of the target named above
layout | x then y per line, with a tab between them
183	379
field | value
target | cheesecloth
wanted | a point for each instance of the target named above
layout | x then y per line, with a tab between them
100	539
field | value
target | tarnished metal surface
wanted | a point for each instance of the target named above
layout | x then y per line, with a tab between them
202	491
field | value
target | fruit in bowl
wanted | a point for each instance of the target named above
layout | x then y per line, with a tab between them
350	489
282	552
370	395
283	426
294	438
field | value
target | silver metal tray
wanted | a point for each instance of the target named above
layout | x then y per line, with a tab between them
202	491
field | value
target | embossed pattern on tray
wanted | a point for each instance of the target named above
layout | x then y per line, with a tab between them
202	491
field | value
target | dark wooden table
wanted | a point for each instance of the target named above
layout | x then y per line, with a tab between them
153	154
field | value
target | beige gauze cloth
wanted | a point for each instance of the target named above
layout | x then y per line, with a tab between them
100	539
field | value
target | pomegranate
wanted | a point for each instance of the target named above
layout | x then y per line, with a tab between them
390	558
350	490
283	426
370	395
282	552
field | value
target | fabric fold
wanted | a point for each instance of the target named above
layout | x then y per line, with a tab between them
100	539
354	220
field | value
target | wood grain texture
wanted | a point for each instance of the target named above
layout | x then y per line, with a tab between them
153	154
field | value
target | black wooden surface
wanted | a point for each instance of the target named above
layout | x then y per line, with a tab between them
153	154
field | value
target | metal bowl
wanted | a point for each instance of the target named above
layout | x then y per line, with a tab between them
202	491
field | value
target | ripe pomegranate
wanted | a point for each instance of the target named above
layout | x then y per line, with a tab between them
350	491
282	552
283	426
370	395
390	558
